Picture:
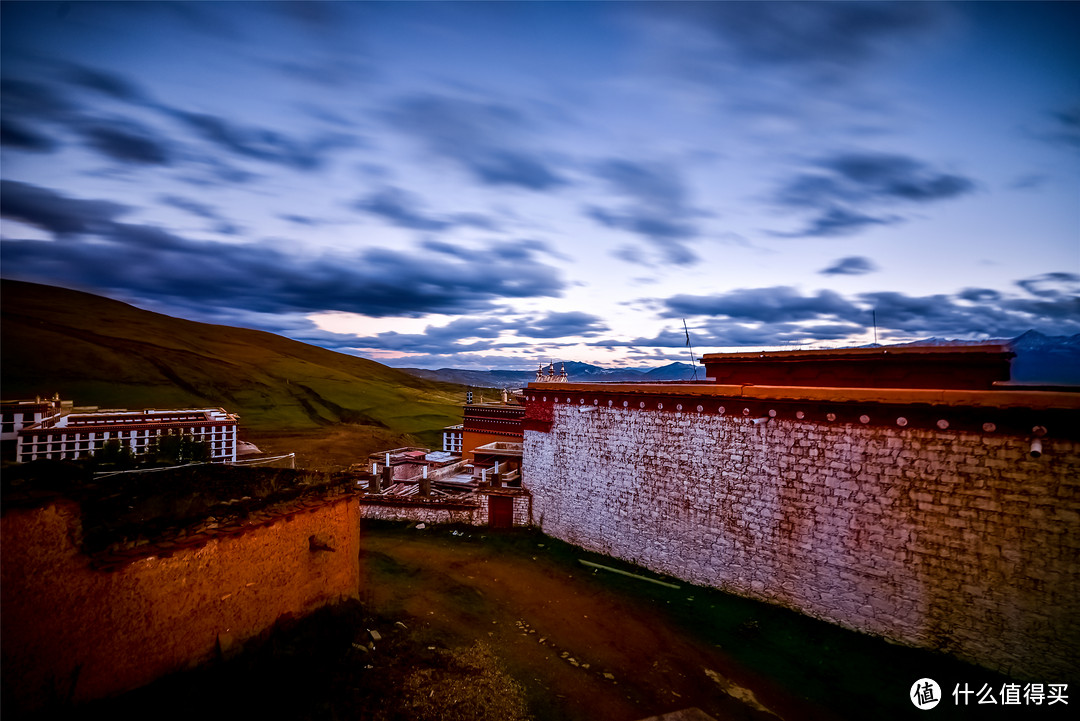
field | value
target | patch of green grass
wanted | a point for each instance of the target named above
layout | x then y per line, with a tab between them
97	351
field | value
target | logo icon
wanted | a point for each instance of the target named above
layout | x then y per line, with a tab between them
925	694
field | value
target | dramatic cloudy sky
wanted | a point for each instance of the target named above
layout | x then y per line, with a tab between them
491	185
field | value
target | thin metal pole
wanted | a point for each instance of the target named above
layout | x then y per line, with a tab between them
693	362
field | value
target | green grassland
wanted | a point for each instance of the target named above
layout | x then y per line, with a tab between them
100	352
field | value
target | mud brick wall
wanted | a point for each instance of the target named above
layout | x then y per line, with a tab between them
952	540
73	631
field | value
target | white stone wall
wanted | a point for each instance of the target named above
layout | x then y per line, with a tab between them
949	540
430	515
434	514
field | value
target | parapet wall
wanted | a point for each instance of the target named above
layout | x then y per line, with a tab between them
74	630
472	509
956	540
467	512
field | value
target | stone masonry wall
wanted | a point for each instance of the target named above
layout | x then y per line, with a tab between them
951	540
473	513
167	608
522	505
423	512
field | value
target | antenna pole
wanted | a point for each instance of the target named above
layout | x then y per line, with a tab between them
874	312
693	362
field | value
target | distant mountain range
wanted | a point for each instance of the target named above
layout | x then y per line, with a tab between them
579	372
1040	360
1046	359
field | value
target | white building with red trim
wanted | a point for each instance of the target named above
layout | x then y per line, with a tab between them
74	435
15	415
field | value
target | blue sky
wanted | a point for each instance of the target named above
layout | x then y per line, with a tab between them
498	184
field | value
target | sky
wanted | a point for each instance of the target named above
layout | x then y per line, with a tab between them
496	185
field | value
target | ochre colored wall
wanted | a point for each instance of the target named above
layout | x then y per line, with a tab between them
954	540
472	439
72	632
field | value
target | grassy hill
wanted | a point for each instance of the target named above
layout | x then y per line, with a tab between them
98	351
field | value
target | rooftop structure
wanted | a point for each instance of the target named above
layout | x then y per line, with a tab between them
498	463
410	462
17	414
440	487
549	376
452	437
954	367
485	423
74	435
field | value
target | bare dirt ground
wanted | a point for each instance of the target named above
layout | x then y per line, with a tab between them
579	651
462	624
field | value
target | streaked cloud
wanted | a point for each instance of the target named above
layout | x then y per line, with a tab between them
851	265
162	265
265	144
482	138
655	207
402	208
841	187
785	315
125	141
818	38
56	213
527	169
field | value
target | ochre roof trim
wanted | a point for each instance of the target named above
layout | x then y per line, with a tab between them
1036	400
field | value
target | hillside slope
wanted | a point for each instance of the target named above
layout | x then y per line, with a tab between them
98	351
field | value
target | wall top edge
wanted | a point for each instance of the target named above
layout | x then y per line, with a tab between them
1036	400
988	349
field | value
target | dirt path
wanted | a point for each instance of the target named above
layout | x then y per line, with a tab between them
579	651
462	624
